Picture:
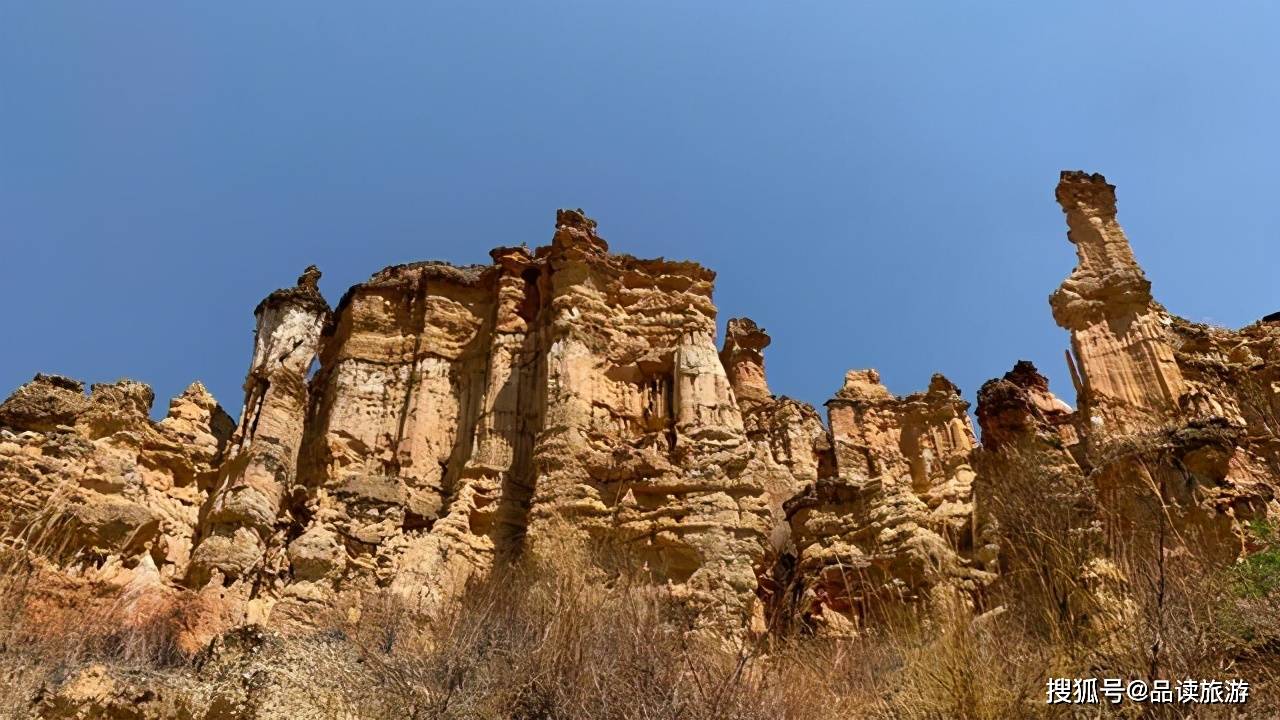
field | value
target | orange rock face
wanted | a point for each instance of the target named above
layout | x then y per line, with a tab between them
893	521
1177	418
1119	335
460	416
111	487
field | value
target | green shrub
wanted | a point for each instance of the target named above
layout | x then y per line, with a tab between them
1258	575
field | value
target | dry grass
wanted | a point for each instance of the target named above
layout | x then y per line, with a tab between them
561	638
60	619
1133	596
562	641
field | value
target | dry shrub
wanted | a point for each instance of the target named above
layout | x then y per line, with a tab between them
70	623
569	633
561	639
1115	586
965	667
1048	532
56	619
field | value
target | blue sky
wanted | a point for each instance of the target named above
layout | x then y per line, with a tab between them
873	182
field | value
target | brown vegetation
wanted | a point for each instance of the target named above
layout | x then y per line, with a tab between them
558	637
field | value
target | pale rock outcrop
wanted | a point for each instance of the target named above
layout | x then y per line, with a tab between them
642	444
790	432
240	524
1120	336
1170	458
463	415
743	359
108	502
391	492
1028	458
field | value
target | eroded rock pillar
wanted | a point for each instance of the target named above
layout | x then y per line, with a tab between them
262	463
743	360
1119	334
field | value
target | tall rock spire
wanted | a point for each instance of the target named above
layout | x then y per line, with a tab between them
263	460
743	360
1119	334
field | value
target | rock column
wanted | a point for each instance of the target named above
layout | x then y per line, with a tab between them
1119	334
262	464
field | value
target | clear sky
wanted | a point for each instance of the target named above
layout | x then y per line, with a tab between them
873	182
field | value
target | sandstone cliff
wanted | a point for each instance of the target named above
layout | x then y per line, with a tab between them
441	421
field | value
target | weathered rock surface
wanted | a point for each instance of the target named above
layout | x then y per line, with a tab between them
1172	451
797	445
1029	451
894	520
99	480
464	414
1119	334
1178	419
243	526
460	416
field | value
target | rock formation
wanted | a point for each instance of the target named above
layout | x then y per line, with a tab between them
1123	357
894	519
795	443
1172	453
458	417
242	520
105	486
1029	455
1177	418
